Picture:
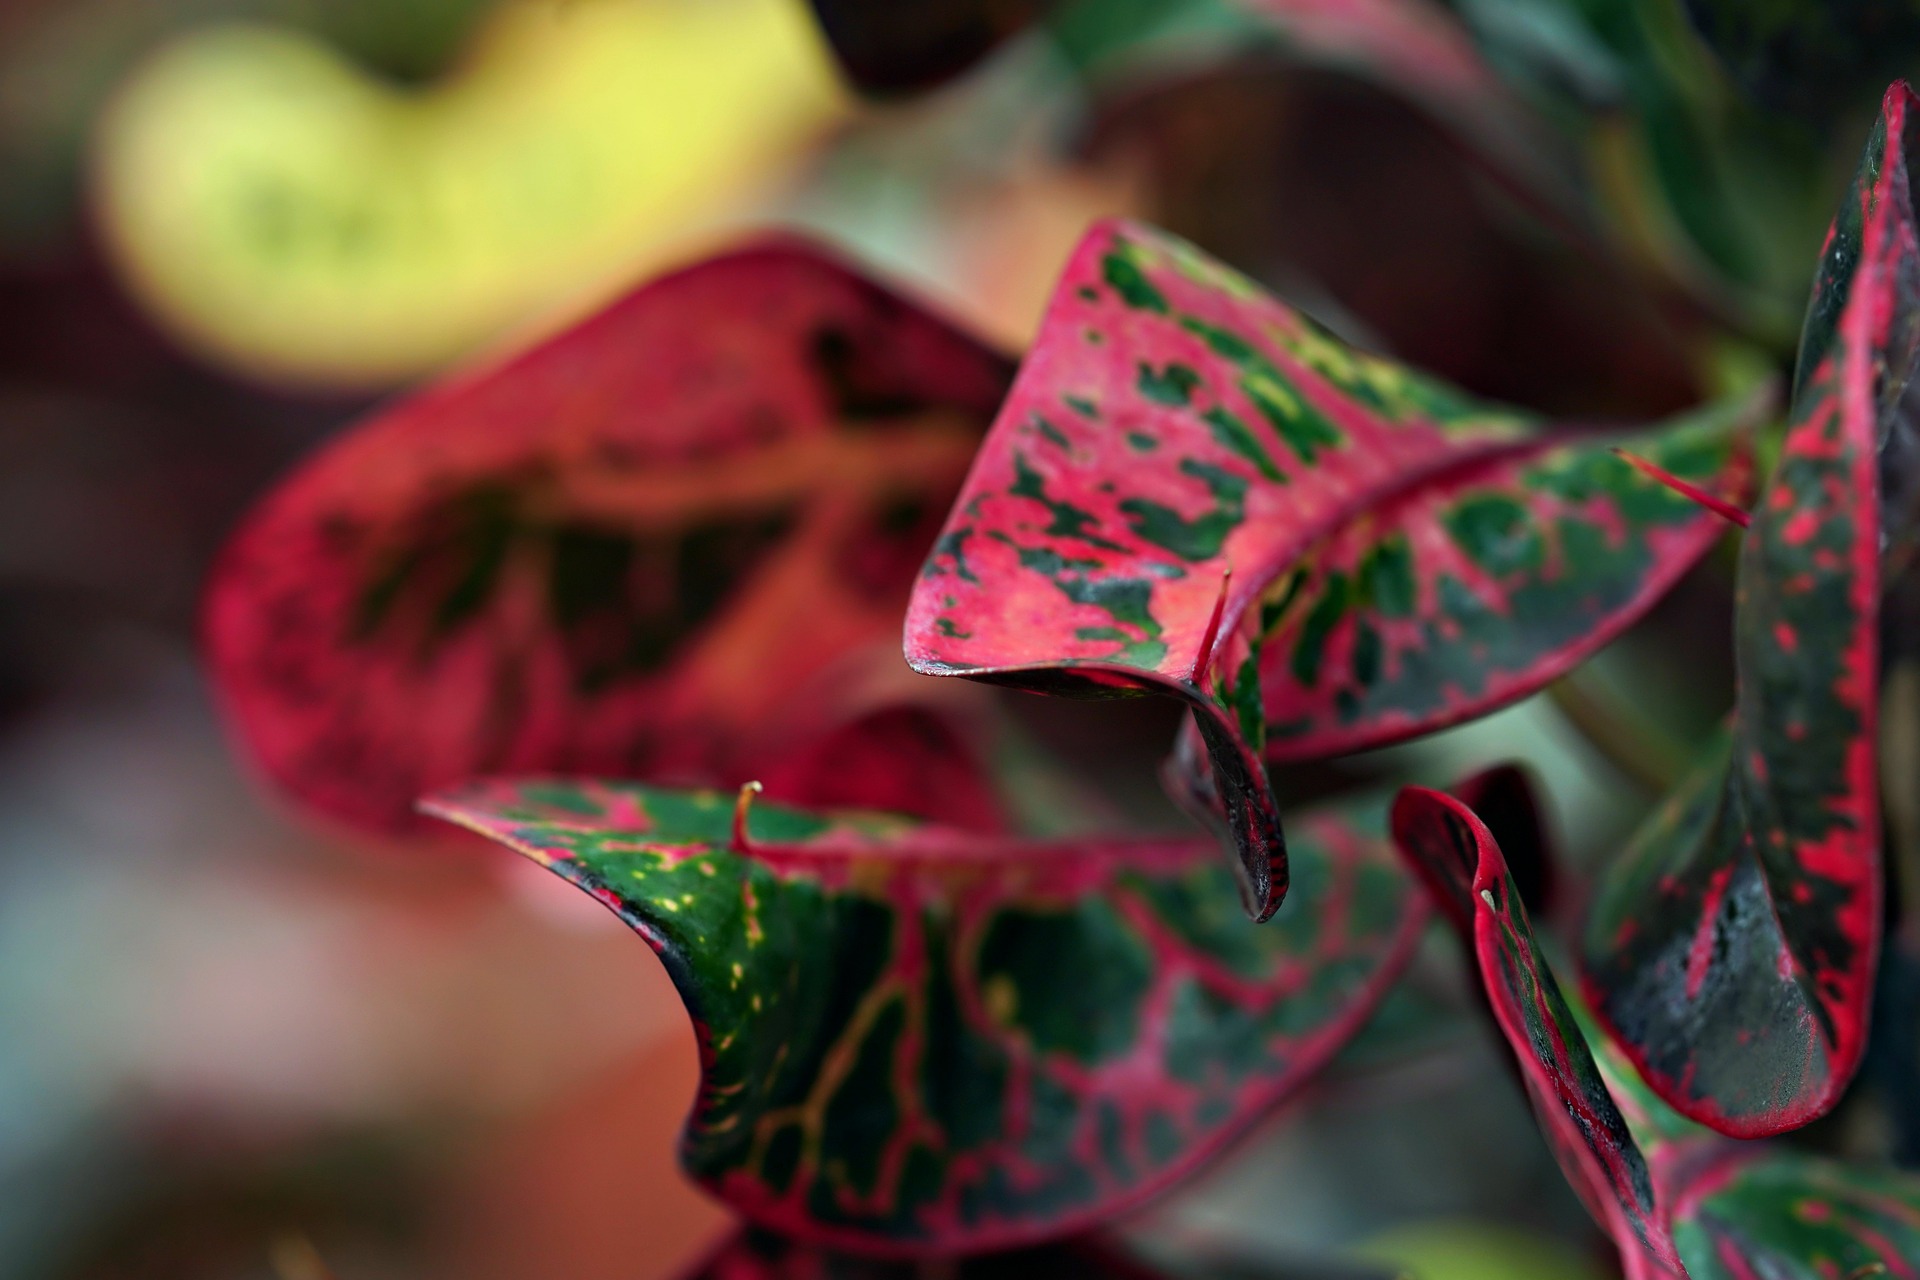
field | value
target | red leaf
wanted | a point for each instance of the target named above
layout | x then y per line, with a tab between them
1192	490
1733	947
674	540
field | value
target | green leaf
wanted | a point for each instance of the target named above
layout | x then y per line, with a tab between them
922	1041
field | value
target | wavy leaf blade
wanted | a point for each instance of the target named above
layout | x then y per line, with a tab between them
1457	857
675	540
1732	949
916	1041
1195	491
1175	438
1455	598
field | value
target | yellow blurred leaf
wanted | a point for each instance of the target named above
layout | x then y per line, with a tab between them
294	218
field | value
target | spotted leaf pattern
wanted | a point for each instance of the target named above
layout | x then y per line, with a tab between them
673	541
1194	490
1732	949
1678	1199
920	1041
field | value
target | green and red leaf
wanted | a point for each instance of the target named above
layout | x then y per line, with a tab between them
1194	490
918	1041
1752	1216
1462	865
1679	1200
672	541
1732	949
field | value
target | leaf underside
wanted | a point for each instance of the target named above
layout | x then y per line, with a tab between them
1732	949
917	1041
1193	490
673	541
1679	1200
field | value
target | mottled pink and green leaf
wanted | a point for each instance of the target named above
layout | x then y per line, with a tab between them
918	1041
1196	491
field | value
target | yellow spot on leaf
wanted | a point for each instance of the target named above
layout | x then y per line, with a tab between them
1002	999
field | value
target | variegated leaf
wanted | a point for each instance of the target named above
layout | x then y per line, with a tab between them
1194	490
1679	1200
917	1041
1458	858
673	541
1732	949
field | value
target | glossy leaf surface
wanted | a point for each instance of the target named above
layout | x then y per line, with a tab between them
1463	867
1678	1199
1194	490
917	1041
1733	947
673	541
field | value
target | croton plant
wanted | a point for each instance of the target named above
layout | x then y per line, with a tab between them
631	604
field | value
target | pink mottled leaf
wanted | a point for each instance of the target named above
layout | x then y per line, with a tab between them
1193	490
1732	949
672	541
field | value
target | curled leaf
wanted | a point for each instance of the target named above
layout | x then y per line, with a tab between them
1194	490
1462	864
1678	1200
674	540
918	1041
1732	949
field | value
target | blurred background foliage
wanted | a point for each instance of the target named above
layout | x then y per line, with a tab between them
232	1043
